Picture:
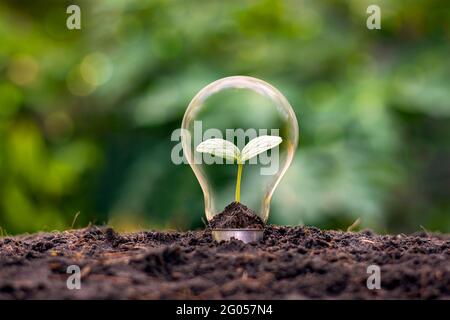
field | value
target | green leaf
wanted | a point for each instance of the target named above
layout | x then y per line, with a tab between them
259	145
220	148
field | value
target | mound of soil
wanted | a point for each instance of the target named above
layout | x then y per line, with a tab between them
289	263
236	216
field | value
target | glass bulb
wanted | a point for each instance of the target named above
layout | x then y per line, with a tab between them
239	109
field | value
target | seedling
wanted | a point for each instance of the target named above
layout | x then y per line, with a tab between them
227	150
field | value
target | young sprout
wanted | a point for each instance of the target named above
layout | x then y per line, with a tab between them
227	150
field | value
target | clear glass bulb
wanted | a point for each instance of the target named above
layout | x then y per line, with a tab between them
235	109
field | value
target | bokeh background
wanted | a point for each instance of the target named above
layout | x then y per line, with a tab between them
86	115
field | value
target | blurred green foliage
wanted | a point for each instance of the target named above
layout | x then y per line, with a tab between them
86	115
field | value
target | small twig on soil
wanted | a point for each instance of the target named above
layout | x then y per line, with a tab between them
425	230
367	240
75	219
354	225
205	223
85	271
3	232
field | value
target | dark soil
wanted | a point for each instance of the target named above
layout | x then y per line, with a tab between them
290	263
236	216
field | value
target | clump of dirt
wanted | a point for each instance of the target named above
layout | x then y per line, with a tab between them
289	263
236	216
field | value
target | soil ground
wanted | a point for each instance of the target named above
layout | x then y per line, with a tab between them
236	216
290	263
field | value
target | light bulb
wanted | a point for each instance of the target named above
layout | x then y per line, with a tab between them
239	109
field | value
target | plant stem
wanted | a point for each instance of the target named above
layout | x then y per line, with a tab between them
238	182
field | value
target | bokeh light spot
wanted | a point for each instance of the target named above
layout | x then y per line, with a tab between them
23	70
96	69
